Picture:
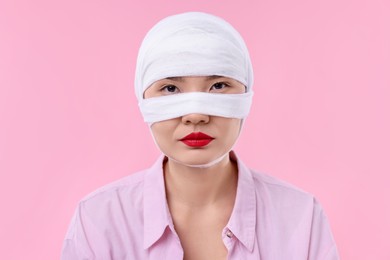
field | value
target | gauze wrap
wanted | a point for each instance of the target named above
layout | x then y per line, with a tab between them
225	105
193	44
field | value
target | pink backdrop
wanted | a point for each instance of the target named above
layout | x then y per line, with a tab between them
69	121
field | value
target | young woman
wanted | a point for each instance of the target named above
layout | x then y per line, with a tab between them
199	200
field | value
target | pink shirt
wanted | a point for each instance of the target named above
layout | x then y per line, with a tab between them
130	219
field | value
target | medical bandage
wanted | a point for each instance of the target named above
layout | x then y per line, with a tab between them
171	106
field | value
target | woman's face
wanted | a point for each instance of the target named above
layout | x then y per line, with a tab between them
168	133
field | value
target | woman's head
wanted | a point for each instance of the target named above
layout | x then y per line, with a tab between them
194	74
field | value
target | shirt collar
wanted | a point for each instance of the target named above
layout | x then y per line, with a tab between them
242	222
156	211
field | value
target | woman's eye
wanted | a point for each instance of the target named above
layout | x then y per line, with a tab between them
219	85
169	88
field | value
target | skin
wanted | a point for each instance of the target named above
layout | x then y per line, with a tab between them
200	200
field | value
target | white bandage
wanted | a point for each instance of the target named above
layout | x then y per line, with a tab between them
167	107
191	44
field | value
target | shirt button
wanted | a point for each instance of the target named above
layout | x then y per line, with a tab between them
229	234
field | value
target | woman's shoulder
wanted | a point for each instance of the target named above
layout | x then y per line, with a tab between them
275	182
281	190
131	184
105	208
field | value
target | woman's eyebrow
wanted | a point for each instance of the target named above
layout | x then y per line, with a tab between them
182	79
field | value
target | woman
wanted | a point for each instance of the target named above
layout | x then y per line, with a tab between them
198	201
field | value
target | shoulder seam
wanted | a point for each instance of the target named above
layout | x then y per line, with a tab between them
108	188
283	183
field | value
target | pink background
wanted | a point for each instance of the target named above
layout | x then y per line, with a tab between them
69	121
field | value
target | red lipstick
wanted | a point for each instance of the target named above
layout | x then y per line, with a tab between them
197	139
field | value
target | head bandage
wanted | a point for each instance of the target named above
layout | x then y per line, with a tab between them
193	44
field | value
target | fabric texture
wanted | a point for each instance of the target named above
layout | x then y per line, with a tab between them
130	219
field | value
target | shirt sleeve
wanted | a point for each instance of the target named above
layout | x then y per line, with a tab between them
322	243
76	243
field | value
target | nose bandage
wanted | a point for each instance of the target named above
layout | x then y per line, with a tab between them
167	107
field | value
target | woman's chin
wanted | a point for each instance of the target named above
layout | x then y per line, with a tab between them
199	160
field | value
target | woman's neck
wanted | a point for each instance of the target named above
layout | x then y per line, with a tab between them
200	187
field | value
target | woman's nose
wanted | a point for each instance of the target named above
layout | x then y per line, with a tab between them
195	119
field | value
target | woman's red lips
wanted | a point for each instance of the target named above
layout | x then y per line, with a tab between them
196	136
197	139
